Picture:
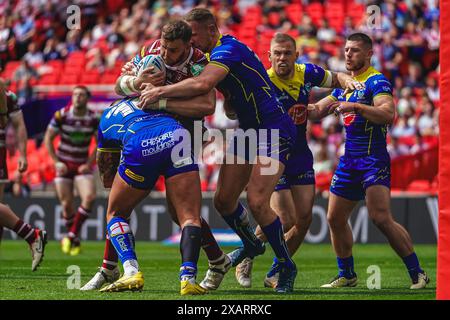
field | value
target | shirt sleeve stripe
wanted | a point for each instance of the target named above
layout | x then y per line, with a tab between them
382	94
108	150
220	65
332	97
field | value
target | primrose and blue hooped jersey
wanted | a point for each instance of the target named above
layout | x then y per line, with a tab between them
365	138
116	120
247	85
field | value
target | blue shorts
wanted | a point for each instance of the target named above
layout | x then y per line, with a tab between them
354	175
147	154
299	168
247	144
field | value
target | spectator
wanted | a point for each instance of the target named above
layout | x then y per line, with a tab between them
403	127
397	149
23	31
326	33
23	76
51	51
432	88
34	57
425	124
419	144
7	41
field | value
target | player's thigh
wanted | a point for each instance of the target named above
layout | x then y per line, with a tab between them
123	198
184	192
264	177
85	185
282	203
64	190
303	196
378	201
233	178
339	209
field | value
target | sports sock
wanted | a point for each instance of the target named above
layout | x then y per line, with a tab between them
110	257
412	264
25	231
346	267
122	239
188	271
275	268
275	236
190	244
238	221
130	267
209	243
80	217
68	222
190	250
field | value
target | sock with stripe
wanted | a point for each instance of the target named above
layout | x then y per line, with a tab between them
110	257
25	231
209	243
80	217
412	264
275	236
346	267
239	222
191	237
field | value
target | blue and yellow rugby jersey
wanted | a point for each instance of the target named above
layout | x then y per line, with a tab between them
294	93
364	138
115	121
247	85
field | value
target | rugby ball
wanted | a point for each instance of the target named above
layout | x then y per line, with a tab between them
151	61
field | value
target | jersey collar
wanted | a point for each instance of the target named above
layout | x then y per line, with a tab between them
366	74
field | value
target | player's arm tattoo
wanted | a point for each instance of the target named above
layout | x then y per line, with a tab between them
107	163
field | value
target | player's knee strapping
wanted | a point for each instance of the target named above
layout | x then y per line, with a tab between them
122	238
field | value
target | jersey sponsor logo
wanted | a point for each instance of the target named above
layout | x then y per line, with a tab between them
349	118
298	113
130	174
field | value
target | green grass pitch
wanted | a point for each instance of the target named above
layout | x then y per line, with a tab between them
159	263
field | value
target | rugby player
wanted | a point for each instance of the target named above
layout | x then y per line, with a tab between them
293	198
14	114
143	142
185	62
76	125
237	72
36	238
364	170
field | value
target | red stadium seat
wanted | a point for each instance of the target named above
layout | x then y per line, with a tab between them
294	13
69	79
315	11
49	79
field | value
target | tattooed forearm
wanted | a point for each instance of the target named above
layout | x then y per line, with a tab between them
107	166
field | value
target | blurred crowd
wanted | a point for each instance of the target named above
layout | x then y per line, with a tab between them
405	34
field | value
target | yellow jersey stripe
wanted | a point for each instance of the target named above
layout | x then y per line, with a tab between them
220	65
382	94
108	150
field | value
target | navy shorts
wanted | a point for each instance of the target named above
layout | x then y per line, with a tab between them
354	175
147	154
